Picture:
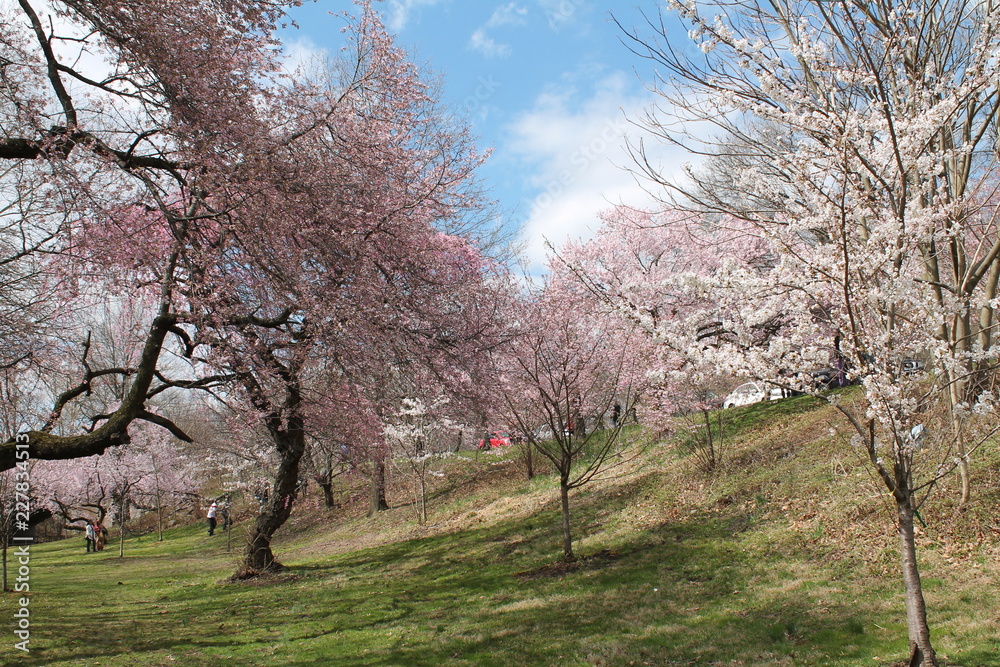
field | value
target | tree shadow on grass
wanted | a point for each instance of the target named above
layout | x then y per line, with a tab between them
677	593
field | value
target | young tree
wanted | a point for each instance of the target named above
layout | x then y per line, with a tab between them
125	478
330	454
857	141
416	430
170	480
566	367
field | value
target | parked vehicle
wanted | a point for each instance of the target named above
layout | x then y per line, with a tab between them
497	439
827	378
754	392
544	432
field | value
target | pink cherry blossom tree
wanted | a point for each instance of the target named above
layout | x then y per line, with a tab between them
569	375
274	221
354	265
107	107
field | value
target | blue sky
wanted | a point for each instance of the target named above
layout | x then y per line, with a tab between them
547	84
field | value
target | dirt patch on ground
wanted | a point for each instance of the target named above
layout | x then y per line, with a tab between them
262	578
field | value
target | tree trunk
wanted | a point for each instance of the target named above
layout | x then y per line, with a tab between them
963	470
327	494
422	481
378	501
121	530
258	557
921	651
159	513
159	519
958	390
956	394
710	454
567	537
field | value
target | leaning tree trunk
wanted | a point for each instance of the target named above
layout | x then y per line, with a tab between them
921	651
258	557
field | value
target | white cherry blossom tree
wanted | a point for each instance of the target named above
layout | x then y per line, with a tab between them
857	139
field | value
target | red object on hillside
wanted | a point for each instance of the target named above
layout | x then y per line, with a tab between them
497	439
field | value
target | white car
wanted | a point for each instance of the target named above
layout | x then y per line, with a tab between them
753	392
544	432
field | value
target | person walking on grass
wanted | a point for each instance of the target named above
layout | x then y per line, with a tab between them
212	511
100	535
89	534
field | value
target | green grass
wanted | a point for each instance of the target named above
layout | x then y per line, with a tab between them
745	567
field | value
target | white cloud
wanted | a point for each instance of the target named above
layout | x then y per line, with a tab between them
510	14
401	10
480	41
574	151
302	55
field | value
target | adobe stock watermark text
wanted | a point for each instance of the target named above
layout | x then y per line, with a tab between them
22	543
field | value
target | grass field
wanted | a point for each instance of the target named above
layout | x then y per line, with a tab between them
783	557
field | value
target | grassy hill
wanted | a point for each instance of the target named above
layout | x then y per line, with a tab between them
786	555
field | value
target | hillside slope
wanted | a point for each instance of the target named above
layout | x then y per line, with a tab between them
785	555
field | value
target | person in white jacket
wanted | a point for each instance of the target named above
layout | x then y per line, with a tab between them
90	537
212	511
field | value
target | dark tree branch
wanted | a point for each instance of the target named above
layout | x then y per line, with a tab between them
84	387
163	422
